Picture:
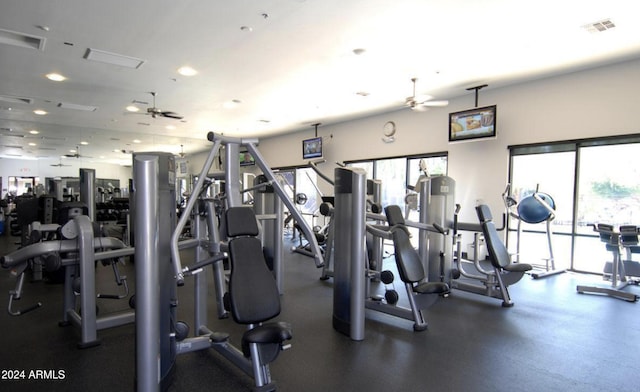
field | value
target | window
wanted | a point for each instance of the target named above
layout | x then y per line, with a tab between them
592	181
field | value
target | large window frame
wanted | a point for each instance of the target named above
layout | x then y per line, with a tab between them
577	233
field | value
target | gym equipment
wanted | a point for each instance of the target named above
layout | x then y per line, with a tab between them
158	265
612	239
352	278
421	294
253	295
77	255
535	208
436	197
499	256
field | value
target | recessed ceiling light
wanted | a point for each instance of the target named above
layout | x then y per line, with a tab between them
32	144
246	29
84	143
40	112
132	108
34	132
56	77
187	71
171	127
136	141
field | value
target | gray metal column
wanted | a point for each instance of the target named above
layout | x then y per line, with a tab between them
374	190
266	202
87	268
88	191
349	283
145	182
232	175
437	205
155	221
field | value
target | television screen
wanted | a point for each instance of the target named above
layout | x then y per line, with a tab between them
312	148
246	159
471	124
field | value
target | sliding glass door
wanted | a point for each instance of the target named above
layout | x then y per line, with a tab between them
608	192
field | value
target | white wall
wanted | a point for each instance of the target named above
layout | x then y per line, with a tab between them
591	103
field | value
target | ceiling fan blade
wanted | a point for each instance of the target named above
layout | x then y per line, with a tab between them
436	103
419	108
171	115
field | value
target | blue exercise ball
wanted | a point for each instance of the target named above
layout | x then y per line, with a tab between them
531	211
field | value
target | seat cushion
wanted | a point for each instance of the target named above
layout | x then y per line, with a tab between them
518	267
276	332
431	288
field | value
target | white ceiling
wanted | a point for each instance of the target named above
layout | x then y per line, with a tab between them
292	66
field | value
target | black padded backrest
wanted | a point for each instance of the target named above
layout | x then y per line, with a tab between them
605	231
629	235
253	291
498	253
407	258
394	215
241	221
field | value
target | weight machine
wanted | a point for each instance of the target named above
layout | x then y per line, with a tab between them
625	237
159	269
351	275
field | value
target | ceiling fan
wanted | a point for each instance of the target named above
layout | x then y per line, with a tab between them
155	112
59	164
420	104
75	154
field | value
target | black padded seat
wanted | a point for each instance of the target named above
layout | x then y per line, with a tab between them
276	332
431	288
498	253
517	267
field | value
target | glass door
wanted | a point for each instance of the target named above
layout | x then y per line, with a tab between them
608	192
553	174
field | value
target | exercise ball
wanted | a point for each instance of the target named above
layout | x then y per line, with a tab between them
531	211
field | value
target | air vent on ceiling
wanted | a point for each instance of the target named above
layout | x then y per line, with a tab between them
599	26
14	99
22	40
113	58
75	106
12	134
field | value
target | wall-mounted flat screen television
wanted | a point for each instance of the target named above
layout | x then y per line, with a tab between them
246	159
312	148
478	123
